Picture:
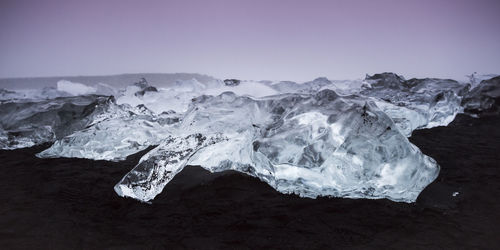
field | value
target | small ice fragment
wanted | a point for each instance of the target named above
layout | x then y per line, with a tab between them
455	194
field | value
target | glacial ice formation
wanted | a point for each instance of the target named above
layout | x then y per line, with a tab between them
484	98
416	103
113	135
307	144
74	88
412	104
25	124
319	138
8	95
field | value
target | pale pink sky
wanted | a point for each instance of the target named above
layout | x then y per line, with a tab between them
253	39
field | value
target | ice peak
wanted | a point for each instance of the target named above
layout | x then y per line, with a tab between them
387	80
232	82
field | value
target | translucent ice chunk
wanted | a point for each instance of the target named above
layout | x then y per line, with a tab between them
114	135
29	123
311	145
416	103
159	166
485	98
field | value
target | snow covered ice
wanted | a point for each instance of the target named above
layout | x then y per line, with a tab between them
318	138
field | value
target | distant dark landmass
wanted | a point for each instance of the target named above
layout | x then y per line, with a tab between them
121	80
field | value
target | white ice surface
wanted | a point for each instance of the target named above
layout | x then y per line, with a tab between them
319	138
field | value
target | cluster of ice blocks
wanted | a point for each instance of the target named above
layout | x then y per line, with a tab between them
319	138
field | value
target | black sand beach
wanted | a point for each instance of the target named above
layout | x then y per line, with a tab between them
70	204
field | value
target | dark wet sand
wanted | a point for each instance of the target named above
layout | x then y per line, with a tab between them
70	204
